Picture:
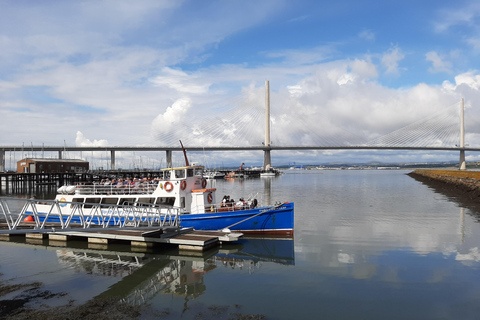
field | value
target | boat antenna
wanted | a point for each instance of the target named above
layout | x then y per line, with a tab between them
184	154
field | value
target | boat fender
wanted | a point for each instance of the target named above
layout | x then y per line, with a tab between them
62	189
204	183
29	219
209	198
70	189
183	185
168	186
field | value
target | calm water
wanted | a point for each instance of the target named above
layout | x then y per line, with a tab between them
368	245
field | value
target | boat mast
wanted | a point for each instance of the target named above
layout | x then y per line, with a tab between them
184	154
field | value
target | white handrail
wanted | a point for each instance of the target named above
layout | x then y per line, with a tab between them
97	215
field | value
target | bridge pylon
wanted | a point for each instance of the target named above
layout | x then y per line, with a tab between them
267	160
462	165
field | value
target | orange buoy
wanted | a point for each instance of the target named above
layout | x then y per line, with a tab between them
29	219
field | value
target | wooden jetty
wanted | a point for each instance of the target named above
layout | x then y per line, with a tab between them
138	225
183	238
13	182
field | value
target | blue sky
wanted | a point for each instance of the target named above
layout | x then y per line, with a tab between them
129	73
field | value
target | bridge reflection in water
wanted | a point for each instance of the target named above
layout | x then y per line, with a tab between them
143	276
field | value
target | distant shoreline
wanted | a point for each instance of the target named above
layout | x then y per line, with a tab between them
466	183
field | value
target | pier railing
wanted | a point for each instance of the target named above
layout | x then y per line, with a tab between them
89	189
31	215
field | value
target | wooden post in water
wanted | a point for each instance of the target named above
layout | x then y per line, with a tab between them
463	165
267	160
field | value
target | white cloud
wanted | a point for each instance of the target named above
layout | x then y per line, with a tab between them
470	79
172	121
391	58
464	15
307	56
438	64
112	69
81	141
367	35
180	81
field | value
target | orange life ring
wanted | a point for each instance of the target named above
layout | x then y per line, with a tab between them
204	183
168	186
209	198
183	184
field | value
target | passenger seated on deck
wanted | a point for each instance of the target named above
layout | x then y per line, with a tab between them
225	201
240	204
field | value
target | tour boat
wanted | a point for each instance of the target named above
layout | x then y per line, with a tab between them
184	188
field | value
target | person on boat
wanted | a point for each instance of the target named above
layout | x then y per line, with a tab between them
224	201
240	204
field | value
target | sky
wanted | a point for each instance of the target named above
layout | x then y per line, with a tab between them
151	72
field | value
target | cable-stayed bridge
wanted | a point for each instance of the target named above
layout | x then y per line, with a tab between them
245	126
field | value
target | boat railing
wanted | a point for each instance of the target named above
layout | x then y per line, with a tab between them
228	208
99	189
74	215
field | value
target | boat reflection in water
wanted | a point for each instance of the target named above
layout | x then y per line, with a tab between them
143	276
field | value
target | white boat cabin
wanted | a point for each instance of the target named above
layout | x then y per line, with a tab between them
183	187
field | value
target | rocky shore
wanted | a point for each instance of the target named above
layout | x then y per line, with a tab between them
463	183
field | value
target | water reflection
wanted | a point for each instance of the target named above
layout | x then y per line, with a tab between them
144	276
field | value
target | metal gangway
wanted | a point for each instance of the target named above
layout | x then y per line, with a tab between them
19	216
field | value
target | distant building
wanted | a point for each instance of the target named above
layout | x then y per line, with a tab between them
29	165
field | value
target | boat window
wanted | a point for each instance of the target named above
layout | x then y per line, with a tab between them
109	200
182	202
166	175
76	200
180	173
166	201
89	201
189	172
145	202
199	172
126	201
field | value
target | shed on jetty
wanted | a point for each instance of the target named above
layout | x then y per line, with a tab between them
32	165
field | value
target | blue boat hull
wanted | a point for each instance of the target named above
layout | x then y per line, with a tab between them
265	220
278	220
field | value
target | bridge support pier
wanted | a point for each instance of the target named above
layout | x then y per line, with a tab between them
463	165
267	160
2	160
59	154
112	159
169	158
